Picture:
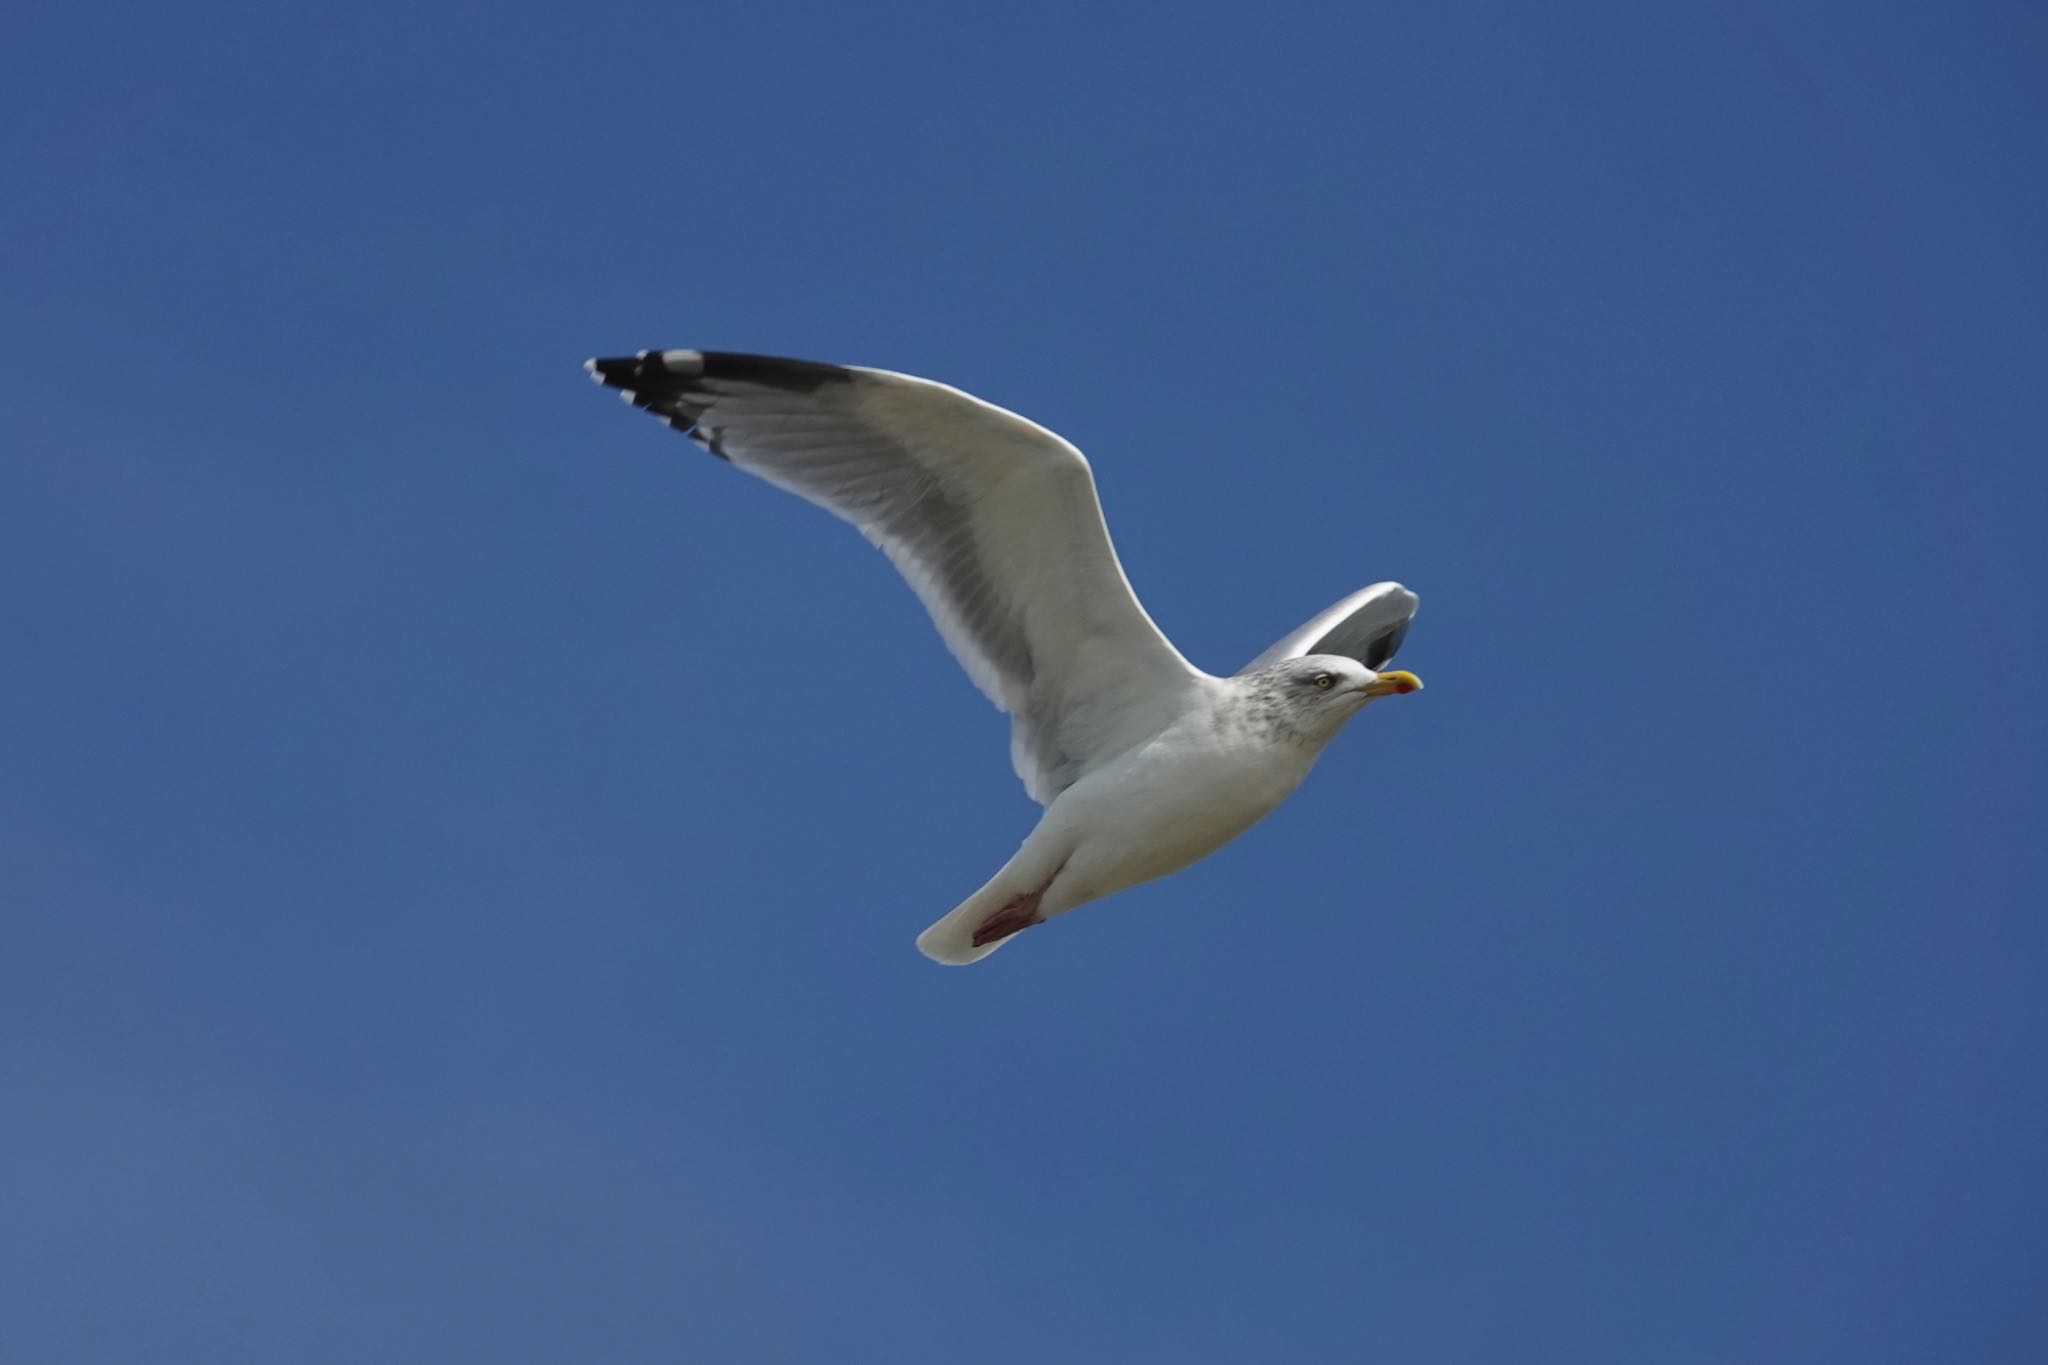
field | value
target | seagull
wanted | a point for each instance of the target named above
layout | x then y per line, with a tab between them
1143	762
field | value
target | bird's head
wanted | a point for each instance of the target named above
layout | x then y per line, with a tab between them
1317	693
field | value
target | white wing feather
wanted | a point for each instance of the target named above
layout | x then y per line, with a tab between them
1366	626
992	519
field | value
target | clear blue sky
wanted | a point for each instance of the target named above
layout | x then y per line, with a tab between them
461	846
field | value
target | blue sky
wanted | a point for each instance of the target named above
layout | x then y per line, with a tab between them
461	846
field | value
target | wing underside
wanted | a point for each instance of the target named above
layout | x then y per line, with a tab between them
991	519
1368	626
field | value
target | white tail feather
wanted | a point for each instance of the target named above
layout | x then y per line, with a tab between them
950	939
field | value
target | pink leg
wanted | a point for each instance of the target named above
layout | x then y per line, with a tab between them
1021	913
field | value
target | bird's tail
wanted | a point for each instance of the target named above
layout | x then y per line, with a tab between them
951	937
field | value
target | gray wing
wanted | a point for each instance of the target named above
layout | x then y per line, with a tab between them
1367	626
992	519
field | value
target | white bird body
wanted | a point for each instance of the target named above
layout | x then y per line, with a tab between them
1154	809
1144	762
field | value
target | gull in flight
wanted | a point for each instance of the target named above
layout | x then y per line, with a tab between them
1143	762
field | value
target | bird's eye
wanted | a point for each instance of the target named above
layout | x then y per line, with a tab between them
1326	681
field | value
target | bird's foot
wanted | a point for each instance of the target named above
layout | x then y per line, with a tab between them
1018	915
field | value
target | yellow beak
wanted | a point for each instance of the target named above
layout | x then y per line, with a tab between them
1392	684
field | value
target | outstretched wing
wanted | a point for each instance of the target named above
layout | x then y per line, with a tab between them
992	519
1367	626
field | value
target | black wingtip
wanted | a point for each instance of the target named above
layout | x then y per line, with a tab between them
683	387
681	370
1385	646
642	373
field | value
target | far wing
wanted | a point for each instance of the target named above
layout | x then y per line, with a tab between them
1367	626
992	519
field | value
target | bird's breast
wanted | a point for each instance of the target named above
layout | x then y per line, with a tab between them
1173	800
